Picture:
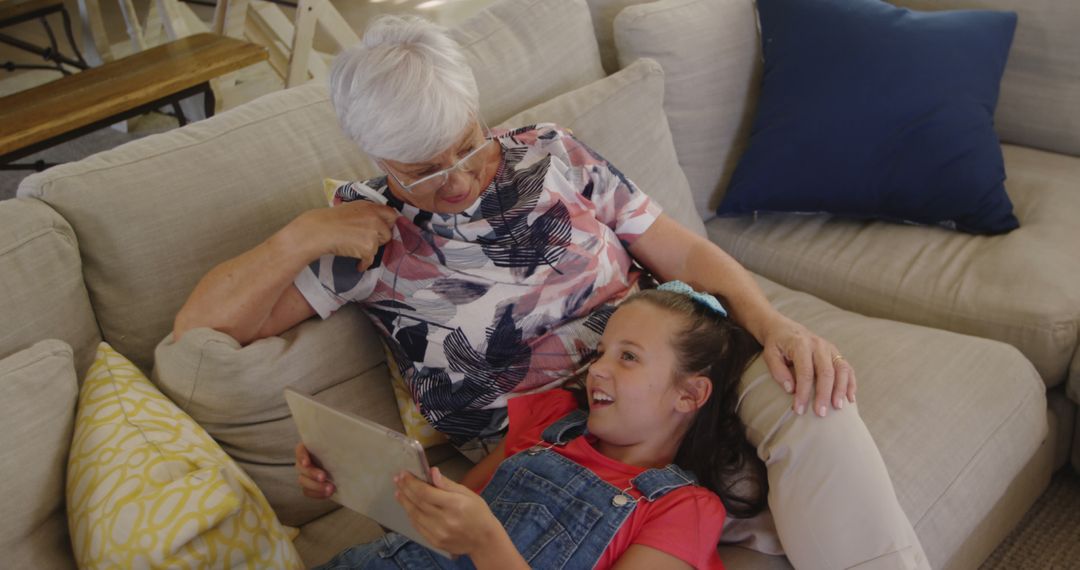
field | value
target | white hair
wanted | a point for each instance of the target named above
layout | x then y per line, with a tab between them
405	92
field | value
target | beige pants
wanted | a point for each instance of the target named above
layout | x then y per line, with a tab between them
831	500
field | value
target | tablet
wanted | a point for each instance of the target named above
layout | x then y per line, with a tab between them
362	458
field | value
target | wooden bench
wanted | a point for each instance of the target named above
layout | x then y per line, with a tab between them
64	109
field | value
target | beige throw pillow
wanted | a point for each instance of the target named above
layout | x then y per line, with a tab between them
523	52
622	118
710	53
236	393
37	411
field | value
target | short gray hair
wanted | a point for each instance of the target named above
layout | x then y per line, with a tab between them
406	91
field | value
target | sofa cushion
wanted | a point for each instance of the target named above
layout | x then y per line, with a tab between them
1019	288
37	411
921	148
710	53
41	277
153	216
956	418
147	487
1040	92
622	118
524	52
236	393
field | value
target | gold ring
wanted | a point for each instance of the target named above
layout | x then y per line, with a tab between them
836	358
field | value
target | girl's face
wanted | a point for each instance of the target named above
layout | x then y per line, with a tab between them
634	397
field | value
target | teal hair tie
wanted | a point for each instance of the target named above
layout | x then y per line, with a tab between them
704	299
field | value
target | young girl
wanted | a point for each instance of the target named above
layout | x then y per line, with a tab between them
641	477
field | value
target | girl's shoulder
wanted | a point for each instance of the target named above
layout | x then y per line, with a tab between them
692	502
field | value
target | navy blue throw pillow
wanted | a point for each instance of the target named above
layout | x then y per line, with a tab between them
873	111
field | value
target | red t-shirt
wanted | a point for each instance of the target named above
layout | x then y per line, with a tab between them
685	523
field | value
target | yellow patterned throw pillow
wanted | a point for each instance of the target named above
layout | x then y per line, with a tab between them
147	487
416	425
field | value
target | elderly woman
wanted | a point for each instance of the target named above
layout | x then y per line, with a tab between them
490	260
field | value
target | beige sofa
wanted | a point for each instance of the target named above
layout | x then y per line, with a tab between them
109	247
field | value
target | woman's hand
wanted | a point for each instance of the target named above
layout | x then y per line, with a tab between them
816	363
314	481
449	515
353	229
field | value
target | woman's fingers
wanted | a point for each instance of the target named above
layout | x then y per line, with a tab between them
825	377
803	359
840	388
778	367
852	383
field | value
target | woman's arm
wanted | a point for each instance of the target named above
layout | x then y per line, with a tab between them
252	296
671	251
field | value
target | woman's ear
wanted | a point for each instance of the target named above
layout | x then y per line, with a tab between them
695	392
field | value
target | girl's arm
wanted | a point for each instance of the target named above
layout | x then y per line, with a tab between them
670	251
453	518
480	473
639	557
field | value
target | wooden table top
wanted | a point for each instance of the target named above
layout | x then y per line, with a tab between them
77	100
15	9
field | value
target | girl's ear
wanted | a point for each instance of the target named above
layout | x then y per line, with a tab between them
695	392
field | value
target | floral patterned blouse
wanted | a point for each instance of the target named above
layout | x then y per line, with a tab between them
509	296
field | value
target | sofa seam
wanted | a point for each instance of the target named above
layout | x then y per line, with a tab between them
1012	414
52	353
275	117
517	16
635	13
42	233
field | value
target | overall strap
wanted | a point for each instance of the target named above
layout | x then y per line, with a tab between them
656	483
566	428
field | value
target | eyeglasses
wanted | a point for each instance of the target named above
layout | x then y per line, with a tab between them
431	183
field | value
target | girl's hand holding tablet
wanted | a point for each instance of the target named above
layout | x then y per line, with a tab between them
314	481
449	515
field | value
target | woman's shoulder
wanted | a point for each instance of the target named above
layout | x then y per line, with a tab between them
536	134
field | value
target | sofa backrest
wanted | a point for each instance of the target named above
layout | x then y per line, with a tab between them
153	216
43	295
524	52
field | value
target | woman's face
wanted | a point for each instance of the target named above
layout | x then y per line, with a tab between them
462	186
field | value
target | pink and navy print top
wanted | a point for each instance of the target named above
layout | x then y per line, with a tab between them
509	296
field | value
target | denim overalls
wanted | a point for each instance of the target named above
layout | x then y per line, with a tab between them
558	514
